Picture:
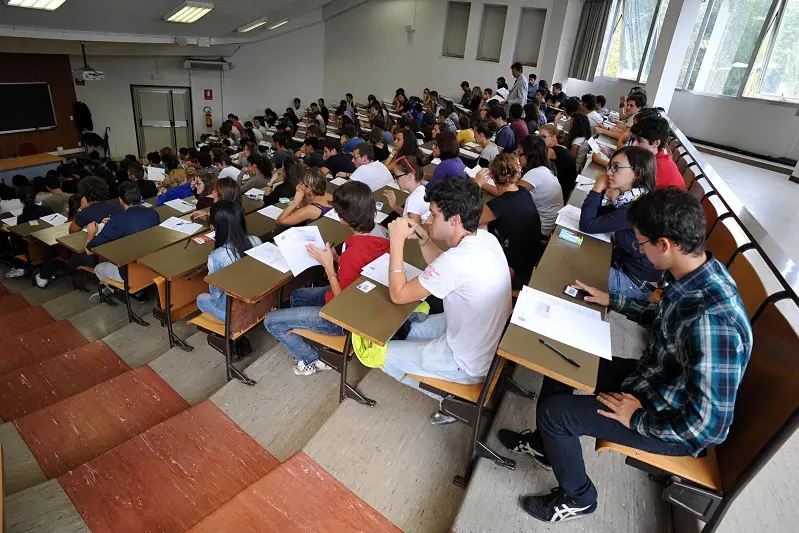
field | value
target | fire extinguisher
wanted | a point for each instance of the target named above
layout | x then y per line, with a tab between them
208	120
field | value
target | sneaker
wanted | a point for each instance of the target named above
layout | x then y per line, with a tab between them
140	296
41	282
107	291
15	273
555	507
441	418
321	366
528	442
301	369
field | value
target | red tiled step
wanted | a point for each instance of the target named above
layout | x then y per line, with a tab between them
169	477
298	497
75	430
24	320
38	344
12	302
36	386
3	290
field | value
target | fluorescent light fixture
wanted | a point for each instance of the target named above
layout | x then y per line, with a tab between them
278	24
49	5
188	12
252	25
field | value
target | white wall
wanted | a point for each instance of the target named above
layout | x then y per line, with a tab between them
367	49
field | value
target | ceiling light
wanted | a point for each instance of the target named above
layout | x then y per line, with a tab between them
278	24
49	5
188	12
252	25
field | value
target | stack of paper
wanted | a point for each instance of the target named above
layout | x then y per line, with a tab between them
292	243
255	194
269	254
569	217
435	161
271	211
54	220
562	321
180	205
155	174
338	182
183	226
378	270
11	221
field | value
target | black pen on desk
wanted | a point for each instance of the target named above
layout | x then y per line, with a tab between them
563	355
187	243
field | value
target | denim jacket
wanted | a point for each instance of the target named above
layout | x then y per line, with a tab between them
222	257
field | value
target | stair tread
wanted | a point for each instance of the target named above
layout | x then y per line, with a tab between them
24	320
38	344
36	386
3	290
281	501
81	427
169	477
12	302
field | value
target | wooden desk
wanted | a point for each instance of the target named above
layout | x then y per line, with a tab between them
76	242
34	250
380	197
49	235
15	163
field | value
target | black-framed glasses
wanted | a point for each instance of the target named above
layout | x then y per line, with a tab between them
637	245
400	176
614	167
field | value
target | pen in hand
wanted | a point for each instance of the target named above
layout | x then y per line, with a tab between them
563	355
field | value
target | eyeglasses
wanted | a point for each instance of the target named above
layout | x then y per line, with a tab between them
400	176
637	245
614	167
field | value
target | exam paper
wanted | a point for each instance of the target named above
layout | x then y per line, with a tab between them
569	217
333	215
377	270
180	205
425	151
472	172
379	217
292	244
183	226
584	180
54	220
586	187
211	235
436	161
338	182
255	194
271	211
269	254
155	174
468	153
563	321
16	212
11	221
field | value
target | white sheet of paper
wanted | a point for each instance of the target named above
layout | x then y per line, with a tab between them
426	151
472	145
183	226
380	217
585	187
16	212
271	211
569	217
269	254
584	180
472	172
607	142
436	161
255	194
333	135
100	227
469	153
146	204
393	185
155	174
338	182
594	144
333	215
563	321
292	244
55	219
11	221
34	222
211	235
180	205
377	270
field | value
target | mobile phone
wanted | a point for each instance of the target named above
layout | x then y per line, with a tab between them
577	294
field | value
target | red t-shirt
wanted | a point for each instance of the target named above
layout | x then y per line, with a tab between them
360	251
668	175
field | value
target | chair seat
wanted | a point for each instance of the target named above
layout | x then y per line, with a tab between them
85	268
701	470
113	283
334	342
209	322
466	391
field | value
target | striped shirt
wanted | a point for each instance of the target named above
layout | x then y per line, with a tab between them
698	349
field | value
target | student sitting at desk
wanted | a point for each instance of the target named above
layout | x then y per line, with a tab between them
466	134
405	145
311	157
355	205
451	165
485	146
283	183
535	117
512	217
679	398
230	242
373	173
349	138
505	137
132	219
203	185
635	103
577	139
174	187
379	147
563	159
224	189
30	211
337	163
518	125
257	173
57	200
408	175
652	134
310	201
222	164
630	174
472	278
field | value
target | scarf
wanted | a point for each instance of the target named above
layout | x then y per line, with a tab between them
629	196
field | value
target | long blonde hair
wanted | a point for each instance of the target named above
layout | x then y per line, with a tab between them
174	178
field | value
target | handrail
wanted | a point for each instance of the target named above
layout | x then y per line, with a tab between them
784	266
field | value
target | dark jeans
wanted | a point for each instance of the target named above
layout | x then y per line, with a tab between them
562	418
46	270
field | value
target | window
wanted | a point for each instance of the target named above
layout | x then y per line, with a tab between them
457	25
745	48
630	38
531	32
491	33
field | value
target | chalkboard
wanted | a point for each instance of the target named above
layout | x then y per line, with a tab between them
26	107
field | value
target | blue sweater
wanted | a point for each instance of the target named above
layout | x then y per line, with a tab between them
175	193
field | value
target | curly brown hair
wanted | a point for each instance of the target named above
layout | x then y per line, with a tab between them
506	169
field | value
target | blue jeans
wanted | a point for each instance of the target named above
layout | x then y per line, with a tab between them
210	304
304	314
425	352
620	283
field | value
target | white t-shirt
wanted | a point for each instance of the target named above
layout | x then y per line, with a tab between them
374	174
229	172
259	136
595	119
415	204
474	282
490	151
547	195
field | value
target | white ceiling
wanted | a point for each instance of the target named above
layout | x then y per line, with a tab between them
146	16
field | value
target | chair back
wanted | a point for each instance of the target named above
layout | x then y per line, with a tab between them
754	278
725	239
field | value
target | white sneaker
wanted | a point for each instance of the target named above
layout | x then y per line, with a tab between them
41	282
15	273
301	369
321	366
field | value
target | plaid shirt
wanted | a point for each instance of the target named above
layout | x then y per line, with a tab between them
699	345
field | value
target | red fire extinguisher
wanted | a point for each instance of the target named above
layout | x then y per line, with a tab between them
208	118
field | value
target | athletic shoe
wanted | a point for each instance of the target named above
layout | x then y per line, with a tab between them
321	366
15	273
528	442
441	418
41	282
107	291
555	507
301	369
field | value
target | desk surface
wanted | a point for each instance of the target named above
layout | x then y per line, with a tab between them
25	229
49	235
12	163
76	242
128	249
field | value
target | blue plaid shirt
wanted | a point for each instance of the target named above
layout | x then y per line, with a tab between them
699	345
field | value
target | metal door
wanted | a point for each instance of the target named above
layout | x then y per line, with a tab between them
163	118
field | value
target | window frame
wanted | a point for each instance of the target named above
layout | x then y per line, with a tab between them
516	57
468	6
486	7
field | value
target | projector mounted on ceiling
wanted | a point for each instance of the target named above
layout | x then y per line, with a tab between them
87	73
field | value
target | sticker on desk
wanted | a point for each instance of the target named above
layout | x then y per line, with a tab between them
146	204
379	205
366	286
34	222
